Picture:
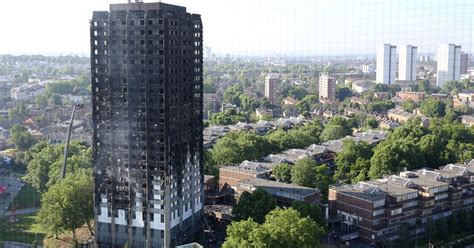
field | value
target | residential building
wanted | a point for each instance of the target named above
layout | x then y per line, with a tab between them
361	86
410	95
146	63
367	69
407	63
210	103
289	101
26	92
449	63
402	116
386	63
232	175
378	208
464	63
327	88
263	113
284	193
271	88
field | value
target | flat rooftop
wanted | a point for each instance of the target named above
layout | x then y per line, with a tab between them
242	170
145	6
278	186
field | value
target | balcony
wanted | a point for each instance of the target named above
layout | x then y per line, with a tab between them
348	231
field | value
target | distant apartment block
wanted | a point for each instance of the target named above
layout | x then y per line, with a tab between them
425	58
327	88
375	210
361	86
407	63
367	69
210	103
386	63
449	63
464	63
271	88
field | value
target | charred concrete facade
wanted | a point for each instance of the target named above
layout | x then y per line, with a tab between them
147	124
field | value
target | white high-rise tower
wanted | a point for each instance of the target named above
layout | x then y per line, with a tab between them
386	62
407	63
449	63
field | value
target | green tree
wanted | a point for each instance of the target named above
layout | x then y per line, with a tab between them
310	210
403	237
59	88
322	179
22	139
228	117
68	204
424	85
342	93
409	106
303	173
56	100
333	132
254	205
282	172
45	162
232	94
380	106
353	162
442	229
18	112
210	166
433	107
395	156
465	219
371	123
245	234
236	147
41	101
296	92
282	228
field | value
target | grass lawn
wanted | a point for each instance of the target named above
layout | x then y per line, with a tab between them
28	197
22	231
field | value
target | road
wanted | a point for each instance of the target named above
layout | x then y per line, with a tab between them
14	186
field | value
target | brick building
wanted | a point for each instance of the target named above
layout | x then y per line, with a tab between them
377	208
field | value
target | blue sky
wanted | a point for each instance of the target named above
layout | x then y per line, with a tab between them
257	27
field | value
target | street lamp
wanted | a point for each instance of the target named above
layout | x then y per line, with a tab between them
66	146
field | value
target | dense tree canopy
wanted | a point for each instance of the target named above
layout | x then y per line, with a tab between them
228	117
310	210
337	127
433	107
68	204
22	139
236	147
282	228
306	172
282	172
44	162
254	205
19	111
412	146
353	162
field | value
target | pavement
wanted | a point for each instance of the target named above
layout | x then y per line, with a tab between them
22	211
9	244
14	186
